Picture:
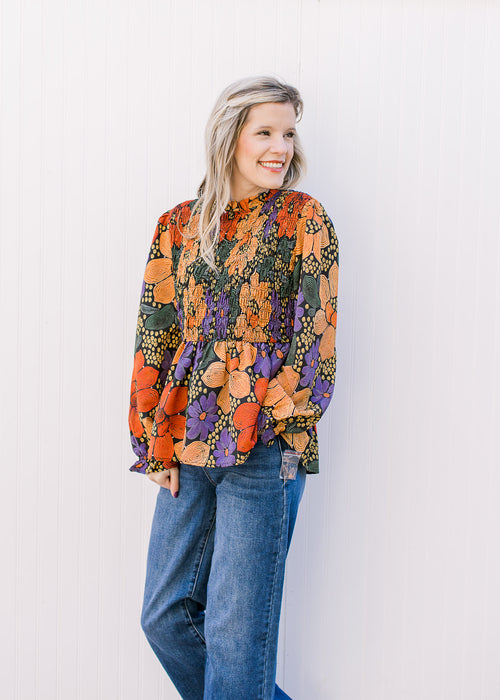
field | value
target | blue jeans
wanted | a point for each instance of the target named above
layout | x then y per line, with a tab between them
214	579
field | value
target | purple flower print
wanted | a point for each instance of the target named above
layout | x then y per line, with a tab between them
199	353
141	451
270	206
184	362
261	420
278	356
262	361
207	319
274	319
226	446
299	311
291	317
165	366
264	425
310	364
202	417
222	315
268	435
140	448
205	324
209	301
322	393
180	316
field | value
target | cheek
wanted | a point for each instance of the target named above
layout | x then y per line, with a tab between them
246	152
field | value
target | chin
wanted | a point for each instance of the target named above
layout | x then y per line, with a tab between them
273	182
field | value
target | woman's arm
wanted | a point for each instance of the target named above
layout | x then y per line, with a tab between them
158	335
299	394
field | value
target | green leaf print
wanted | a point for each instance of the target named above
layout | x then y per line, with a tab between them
290	358
161	319
311	292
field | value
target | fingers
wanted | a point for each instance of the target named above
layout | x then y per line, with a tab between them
167	479
174	481
161	478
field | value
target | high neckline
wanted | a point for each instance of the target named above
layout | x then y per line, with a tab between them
249	203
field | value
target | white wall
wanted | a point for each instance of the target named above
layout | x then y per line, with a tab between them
393	580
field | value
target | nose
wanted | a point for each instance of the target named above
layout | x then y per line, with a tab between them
278	145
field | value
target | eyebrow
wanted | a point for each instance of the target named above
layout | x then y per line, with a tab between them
290	128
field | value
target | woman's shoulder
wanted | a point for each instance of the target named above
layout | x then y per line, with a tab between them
180	213
295	199
303	205
299	200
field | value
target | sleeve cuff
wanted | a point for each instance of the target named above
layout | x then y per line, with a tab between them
147	467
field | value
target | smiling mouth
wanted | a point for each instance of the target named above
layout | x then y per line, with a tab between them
271	164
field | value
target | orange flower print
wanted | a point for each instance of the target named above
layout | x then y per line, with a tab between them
286	221
167	427
184	216
228	227
283	397
256	310
325	320
183	224
314	236
169	422
194	304
174	400
143	398
232	224
159	273
134	419
230	374
250	349
297	441
242	252
245	417
245	420
196	453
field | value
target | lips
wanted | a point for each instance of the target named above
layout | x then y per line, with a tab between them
271	164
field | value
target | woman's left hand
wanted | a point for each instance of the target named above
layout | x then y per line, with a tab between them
168	479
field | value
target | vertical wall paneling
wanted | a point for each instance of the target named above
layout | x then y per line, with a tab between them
392	580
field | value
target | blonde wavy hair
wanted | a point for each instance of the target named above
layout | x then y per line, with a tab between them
223	129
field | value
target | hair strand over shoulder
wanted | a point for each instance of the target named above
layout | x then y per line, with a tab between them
223	129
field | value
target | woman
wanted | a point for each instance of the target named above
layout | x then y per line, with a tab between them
234	366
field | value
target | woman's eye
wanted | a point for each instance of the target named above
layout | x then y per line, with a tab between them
290	134
265	132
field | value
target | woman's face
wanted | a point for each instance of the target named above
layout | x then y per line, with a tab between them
264	149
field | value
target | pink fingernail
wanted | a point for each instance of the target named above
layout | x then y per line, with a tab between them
176	494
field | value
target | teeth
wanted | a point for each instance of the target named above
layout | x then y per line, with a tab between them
271	164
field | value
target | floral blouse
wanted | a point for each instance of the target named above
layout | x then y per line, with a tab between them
223	358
